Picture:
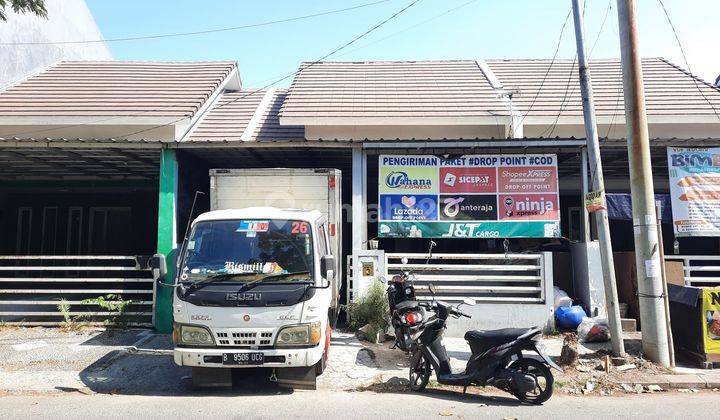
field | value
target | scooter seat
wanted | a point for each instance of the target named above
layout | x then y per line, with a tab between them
491	338
406	304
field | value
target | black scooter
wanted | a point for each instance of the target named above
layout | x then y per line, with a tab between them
405	311
496	359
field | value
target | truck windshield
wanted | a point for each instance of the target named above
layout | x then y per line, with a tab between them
249	249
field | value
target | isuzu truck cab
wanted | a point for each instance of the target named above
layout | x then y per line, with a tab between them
257	286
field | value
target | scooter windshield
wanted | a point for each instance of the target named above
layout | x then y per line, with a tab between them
248	250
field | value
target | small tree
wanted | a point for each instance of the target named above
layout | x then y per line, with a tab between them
23	6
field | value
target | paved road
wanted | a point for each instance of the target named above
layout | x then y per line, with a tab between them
356	405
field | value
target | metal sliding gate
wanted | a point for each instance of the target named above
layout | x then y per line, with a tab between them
32	289
501	278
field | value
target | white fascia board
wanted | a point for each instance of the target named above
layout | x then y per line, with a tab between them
88	120
514	127
231	79
395	121
257	115
32	73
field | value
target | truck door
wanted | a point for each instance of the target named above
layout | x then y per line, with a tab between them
324	249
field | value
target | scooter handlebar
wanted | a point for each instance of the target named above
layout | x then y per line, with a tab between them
457	312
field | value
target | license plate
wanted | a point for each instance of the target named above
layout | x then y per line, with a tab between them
243	358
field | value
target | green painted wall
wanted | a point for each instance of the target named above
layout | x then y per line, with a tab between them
166	239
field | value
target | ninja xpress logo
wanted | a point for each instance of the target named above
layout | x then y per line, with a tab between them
529	206
401	179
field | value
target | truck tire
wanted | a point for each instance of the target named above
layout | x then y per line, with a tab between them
333	314
322	363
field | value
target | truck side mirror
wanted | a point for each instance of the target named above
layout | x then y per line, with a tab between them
158	265
327	267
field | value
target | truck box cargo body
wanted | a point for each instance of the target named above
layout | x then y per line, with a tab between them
284	188
259	275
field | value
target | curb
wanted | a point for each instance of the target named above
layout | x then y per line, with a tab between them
680	381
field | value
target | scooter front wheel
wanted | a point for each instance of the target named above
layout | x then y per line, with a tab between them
543	389
420	370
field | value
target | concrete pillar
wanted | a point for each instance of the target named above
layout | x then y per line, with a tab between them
359	208
359	199
167	236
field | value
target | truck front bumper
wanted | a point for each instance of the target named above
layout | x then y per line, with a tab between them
212	357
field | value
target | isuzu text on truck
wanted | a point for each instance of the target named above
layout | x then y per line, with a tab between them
258	285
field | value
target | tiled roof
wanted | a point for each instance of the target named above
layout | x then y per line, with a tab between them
228	119
390	91
115	89
669	90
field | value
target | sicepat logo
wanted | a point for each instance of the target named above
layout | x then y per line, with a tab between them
467	180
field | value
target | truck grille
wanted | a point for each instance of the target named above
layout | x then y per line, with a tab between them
241	337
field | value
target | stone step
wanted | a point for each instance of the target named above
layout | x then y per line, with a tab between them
628	324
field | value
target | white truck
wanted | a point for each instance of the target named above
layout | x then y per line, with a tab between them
258	277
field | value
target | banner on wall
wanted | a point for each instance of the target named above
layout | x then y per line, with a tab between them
472	196
695	190
711	320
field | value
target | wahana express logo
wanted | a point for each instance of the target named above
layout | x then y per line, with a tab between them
401	179
527	207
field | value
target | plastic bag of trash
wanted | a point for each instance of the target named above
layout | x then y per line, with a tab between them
593	330
561	298
569	317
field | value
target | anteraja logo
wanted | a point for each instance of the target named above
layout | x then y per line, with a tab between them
399	179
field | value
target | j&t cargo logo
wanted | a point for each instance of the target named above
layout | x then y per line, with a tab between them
401	179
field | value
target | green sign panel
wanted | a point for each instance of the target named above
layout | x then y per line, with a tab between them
472	196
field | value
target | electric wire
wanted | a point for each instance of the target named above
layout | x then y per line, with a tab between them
280	79
203	32
295	73
542	83
687	64
549	130
408	28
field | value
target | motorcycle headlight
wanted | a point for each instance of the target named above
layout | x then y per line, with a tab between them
192	335
299	335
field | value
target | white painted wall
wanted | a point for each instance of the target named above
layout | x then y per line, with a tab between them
67	20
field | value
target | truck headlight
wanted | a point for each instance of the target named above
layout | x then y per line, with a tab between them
299	335
192	335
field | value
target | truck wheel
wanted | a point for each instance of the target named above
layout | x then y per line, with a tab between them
322	364
333	313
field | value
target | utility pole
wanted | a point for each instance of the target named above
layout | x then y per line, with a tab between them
598	185
647	253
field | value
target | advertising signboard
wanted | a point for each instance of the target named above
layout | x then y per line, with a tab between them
711	320
695	190
471	196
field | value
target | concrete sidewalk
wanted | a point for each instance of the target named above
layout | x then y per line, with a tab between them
140	362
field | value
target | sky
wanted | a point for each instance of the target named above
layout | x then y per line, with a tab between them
475	29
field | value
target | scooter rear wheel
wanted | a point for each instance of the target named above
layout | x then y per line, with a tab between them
420	372
543	381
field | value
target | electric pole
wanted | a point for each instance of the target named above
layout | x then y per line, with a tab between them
647	254
598	185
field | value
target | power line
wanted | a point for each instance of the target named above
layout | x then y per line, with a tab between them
552	127
203	32
347	44
409	27
687	64
298	71
542	83
393	34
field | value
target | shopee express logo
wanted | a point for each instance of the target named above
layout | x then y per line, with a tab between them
400	179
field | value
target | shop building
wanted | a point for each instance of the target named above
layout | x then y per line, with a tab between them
103	159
